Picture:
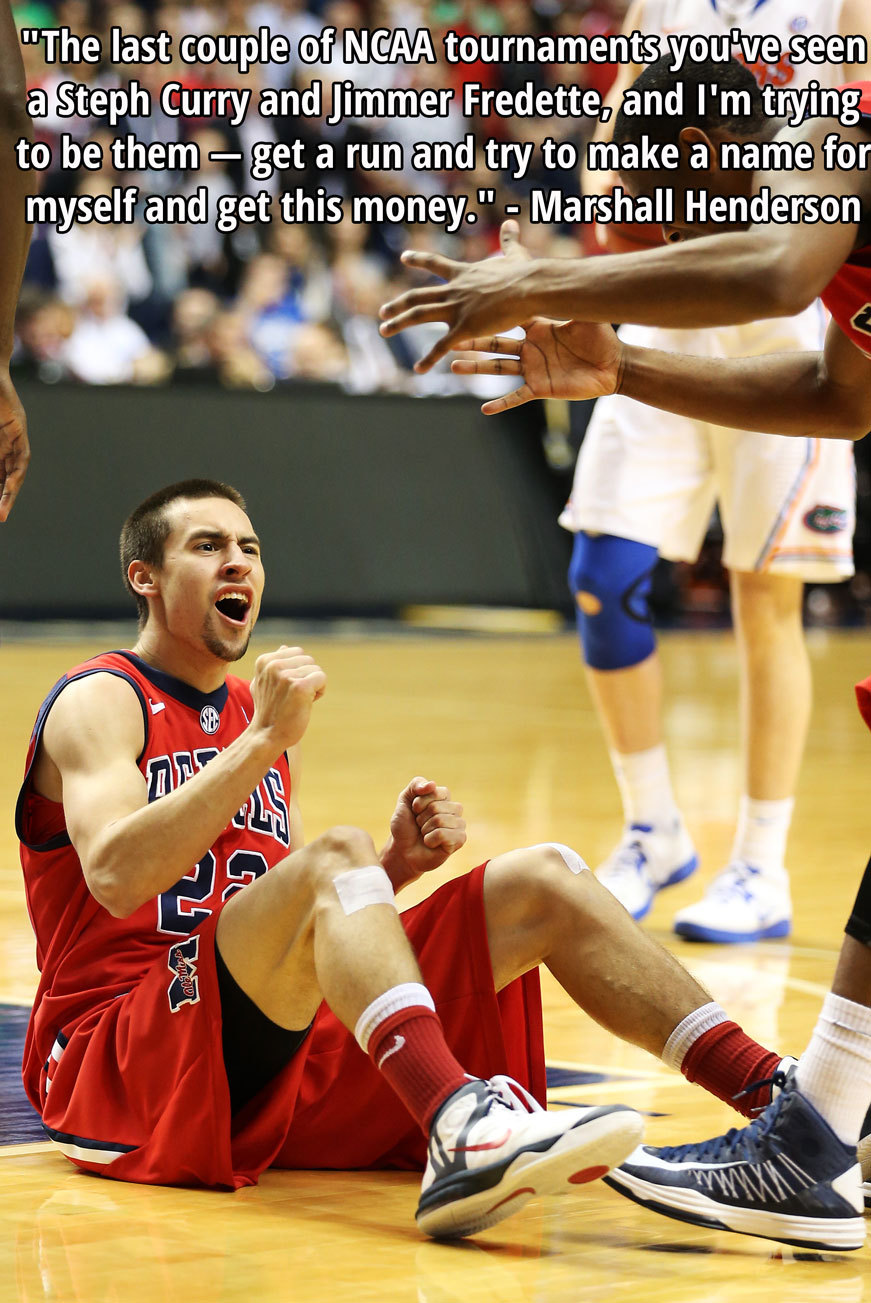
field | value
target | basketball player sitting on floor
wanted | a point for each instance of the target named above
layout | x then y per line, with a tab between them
196	1025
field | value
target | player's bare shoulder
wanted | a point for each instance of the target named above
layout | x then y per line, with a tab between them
94	717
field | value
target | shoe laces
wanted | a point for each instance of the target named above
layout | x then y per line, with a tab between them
735	880
628	859
778	1078
510	1094
737	1143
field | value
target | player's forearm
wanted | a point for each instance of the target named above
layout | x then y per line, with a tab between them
14	184
146	852
721	280
780	393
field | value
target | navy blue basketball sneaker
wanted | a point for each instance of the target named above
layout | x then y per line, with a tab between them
785	1177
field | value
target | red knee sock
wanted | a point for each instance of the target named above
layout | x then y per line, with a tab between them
725	1060
410	1049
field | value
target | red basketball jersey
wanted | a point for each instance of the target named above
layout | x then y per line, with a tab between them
86	956
848	294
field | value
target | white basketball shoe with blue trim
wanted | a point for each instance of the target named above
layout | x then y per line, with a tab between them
787	1176
492	1148
644	861
741	904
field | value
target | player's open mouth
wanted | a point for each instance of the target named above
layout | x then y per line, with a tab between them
234	606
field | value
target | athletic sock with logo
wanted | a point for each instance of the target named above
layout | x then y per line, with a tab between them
761	833
404	1038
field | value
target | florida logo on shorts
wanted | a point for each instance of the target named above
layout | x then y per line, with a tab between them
182	963
210	720
826	520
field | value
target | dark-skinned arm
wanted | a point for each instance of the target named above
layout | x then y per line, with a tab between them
14	243
723	279
824	394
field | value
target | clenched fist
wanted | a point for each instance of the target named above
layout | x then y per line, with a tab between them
286	685
426	827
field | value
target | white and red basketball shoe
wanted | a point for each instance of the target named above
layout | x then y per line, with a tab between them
492	1148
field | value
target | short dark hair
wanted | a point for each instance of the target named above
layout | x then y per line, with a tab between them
665	128
146	529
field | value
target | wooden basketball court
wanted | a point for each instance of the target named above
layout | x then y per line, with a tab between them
506	723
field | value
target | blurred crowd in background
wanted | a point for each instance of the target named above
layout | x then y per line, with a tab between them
272	302
280	304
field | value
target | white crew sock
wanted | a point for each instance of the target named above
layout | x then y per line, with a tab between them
760	836
835	1070
645	787
686	1033
408	995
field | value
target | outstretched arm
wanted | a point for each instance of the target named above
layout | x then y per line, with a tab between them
772	270
14	242
825	394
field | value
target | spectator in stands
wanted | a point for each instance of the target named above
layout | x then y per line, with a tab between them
193	314
281	290
106	347
43	325
288	18
371	364
236	364
96	251
205	247
254	289
317	352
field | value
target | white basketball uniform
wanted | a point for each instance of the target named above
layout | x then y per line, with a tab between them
787	504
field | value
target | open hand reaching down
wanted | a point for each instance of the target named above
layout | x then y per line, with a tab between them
569	359
474	298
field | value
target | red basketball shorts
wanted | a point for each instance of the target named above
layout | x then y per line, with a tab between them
137	1091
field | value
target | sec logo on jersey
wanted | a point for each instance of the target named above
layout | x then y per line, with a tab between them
210	720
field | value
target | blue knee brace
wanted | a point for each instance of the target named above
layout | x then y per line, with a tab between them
610	581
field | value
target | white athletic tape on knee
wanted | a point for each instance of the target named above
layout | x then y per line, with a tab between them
361	887
573	861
